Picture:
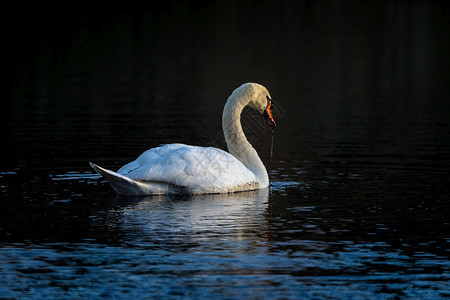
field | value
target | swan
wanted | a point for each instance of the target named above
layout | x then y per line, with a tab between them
184	169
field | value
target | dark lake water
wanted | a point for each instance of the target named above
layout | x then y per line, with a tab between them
358	206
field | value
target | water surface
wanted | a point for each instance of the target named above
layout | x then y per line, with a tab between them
358	206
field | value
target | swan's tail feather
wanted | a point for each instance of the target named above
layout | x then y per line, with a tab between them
127	186
121	184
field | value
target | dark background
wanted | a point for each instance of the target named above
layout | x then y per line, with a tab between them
328	63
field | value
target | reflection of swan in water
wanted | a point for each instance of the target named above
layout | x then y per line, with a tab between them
197	219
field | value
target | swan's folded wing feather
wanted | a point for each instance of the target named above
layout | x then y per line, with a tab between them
189	166
149	157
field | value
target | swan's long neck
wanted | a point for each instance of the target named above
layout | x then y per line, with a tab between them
235	138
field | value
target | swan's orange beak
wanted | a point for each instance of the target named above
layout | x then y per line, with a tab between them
268	116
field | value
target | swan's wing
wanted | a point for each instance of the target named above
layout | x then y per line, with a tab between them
149	157
197	168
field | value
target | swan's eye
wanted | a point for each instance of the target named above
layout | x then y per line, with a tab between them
269	102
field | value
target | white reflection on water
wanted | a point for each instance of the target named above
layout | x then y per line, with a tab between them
192	221
75	175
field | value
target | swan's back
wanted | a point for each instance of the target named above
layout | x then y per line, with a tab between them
197	169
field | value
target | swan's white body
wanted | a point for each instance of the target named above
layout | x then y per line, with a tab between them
183	169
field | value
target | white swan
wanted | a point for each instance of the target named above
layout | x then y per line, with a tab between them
183	169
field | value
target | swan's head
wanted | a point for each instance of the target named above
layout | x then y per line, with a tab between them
260	101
